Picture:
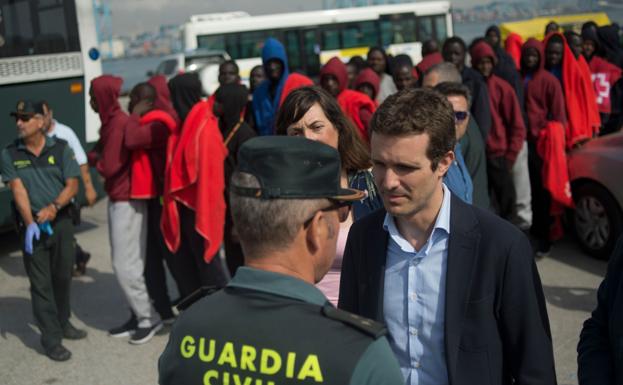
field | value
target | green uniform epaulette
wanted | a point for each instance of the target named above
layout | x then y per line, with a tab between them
366	325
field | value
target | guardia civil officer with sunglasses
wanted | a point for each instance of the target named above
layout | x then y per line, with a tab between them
270	324
42	174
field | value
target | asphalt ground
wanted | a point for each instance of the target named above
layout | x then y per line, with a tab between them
570	280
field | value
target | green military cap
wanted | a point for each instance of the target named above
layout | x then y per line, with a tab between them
29	108
292	167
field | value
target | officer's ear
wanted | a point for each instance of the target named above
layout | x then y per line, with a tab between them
313	232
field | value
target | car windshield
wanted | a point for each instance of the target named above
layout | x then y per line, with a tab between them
197	62
167	67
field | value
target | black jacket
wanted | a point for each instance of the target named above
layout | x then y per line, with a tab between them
600	350
496	326
481	103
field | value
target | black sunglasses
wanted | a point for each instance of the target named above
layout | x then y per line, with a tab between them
343	209
461	115
23	118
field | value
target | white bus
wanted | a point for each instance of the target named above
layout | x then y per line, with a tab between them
312	38
48	51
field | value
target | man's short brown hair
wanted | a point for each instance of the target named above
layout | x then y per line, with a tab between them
415	112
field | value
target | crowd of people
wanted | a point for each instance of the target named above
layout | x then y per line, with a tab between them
434	160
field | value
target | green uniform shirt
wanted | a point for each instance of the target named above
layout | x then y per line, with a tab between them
43	176
376	365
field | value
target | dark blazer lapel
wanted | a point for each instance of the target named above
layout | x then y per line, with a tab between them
376	255
462	254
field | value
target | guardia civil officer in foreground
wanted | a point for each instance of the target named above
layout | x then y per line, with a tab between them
42	174
270	325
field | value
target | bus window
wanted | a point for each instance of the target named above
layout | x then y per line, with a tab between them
310	57
231	45
425	28
293	50
330	39
397	29
251	44
34	28
441	33
363	34
213	42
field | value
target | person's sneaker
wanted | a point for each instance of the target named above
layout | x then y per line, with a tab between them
73	333
81	267
58	353
543	249
125	330
143	335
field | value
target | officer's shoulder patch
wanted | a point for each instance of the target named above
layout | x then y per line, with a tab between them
368	326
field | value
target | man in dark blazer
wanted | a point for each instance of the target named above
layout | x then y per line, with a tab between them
600	350
456	285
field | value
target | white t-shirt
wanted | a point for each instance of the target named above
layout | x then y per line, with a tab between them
62	131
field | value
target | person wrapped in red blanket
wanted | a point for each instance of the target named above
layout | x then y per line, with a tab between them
582	113
146	134
547	116
194	204
356	105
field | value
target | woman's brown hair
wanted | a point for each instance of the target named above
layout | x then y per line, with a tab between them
353	152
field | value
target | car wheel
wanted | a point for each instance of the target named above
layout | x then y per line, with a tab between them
597	220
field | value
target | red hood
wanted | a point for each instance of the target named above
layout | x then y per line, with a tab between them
428	61
480	51
336	68
534	43
512	45
294	81
163	96
106	89
367	75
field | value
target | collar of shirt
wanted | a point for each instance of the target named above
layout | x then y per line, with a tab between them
277	284
49	142
442	224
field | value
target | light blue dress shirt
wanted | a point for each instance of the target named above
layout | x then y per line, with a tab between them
458	179
414	300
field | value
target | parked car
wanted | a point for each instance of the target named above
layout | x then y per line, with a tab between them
204	62
596	173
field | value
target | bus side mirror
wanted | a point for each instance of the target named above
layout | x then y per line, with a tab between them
150	73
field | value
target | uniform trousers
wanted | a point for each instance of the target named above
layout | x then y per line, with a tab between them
127	226
49	272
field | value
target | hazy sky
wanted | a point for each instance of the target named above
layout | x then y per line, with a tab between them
132	16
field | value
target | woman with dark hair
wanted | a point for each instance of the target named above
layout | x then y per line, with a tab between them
378	62
313	113
229	105
193	201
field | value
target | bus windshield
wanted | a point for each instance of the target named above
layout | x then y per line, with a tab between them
37	27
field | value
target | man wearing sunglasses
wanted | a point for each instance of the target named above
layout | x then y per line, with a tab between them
457	178
271	324
42	174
